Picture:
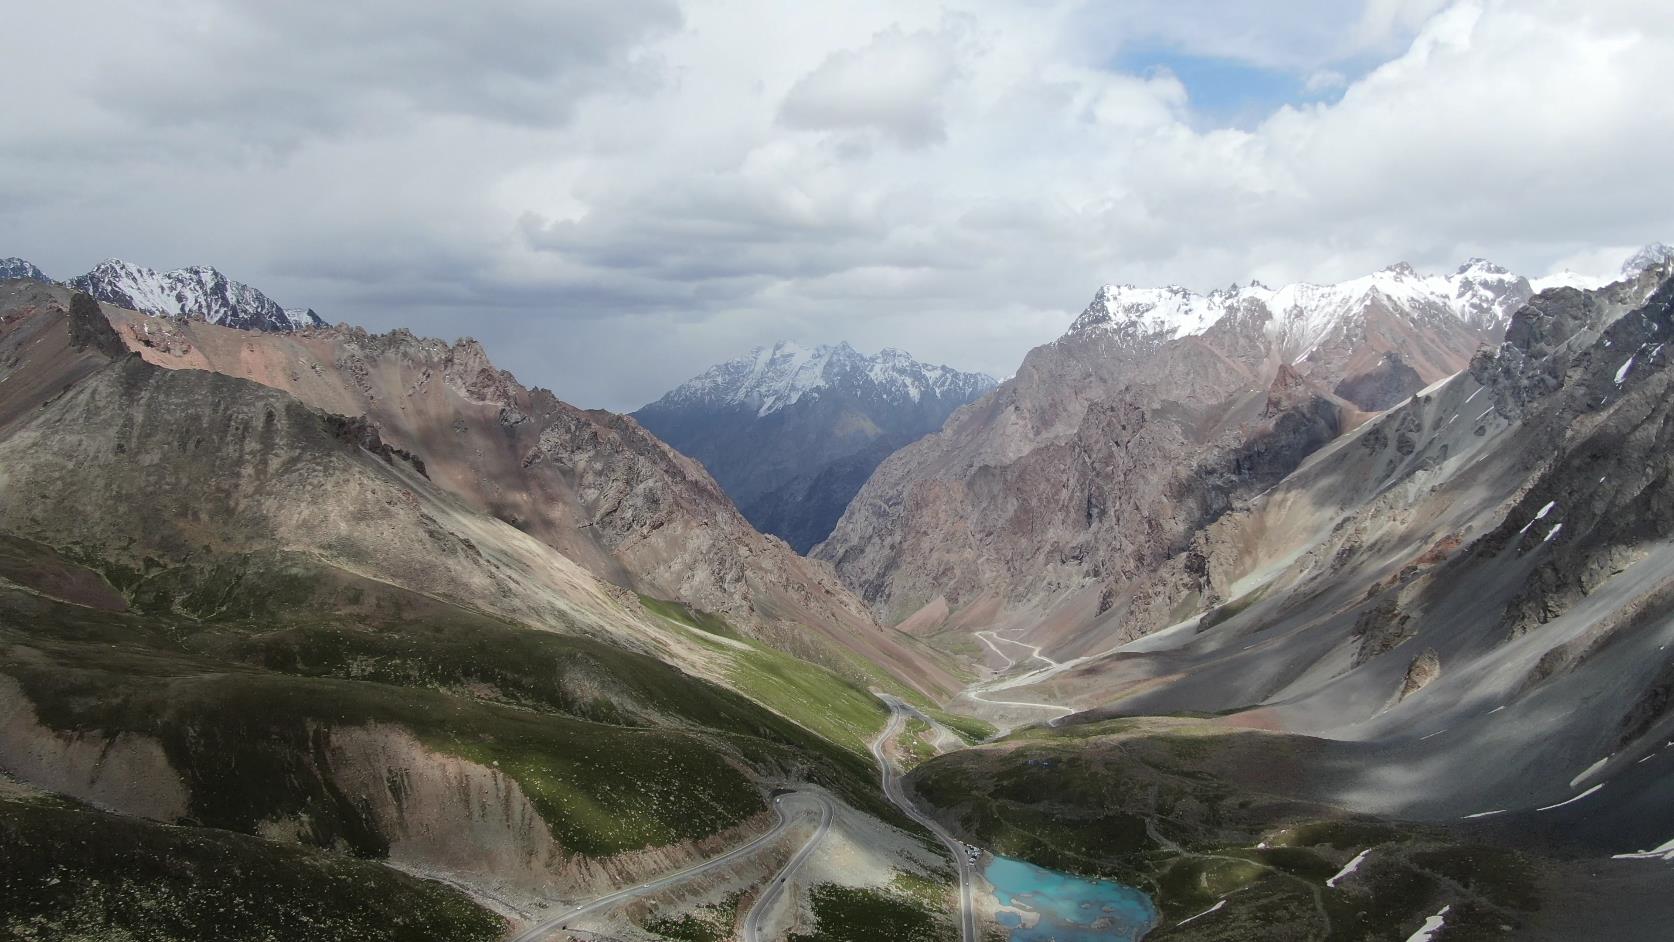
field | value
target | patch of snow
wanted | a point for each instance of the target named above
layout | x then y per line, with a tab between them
1200	915
1539	516
1572	801
1484	814
1552	532
1496	710
1621	374
1437	385
1431	926
1566	279
1473	394
1587	772
1349	868
1662	852
1432	735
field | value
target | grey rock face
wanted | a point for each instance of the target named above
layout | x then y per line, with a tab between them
792	434
1607	490
1382	386
1155	413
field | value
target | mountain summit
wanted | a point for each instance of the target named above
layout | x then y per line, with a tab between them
198	293
1157	410
14	267
1479	296
791	432
774	378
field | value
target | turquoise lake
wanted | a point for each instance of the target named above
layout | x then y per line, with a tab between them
1040	905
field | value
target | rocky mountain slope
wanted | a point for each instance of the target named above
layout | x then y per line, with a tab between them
1152	415
1425	676
198	293
257	608
594	486
791	434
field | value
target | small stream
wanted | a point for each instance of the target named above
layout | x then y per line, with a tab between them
1040	905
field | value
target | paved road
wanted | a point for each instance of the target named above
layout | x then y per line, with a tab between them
897	796
758	912
552	924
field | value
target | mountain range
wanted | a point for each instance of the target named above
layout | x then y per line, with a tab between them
1153	414
196	293
1447	618
1320	611
367	593
792	433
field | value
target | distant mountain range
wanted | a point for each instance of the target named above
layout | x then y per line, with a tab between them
198	293
791	433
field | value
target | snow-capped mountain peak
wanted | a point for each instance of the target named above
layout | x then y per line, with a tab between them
1481	266
198	292
1646	258
1157	313
14	267
1479	293
301	317
769	379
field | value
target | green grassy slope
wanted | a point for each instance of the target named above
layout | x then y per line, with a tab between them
70	874
617	750
1194	813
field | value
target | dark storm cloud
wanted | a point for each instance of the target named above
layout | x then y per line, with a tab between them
283	70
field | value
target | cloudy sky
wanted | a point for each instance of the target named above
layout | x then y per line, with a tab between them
614	195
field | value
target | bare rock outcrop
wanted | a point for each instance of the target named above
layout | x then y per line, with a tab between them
122	771
1424	669
1082	475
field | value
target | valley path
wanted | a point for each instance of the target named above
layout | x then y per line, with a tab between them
776	887
898	797
542	930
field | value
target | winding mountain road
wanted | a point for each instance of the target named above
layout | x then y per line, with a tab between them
975	691
545	928
990	637
898	797
776	887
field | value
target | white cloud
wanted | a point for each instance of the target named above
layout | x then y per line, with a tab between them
1324	80
614	198
894	85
